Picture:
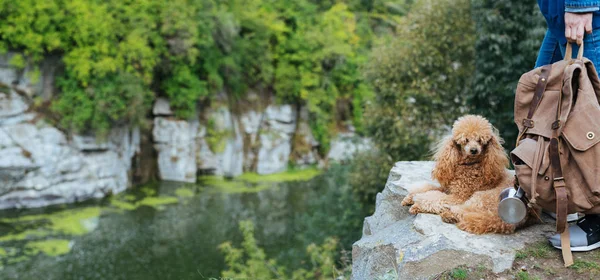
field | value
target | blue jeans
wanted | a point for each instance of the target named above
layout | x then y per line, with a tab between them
551	51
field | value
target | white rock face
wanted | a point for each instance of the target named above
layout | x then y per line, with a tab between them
232	159
228	157
174	142
162	107
279	125
346	145
40	167
227	145
422	246
10	107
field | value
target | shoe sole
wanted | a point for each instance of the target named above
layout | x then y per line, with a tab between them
570	217
582	248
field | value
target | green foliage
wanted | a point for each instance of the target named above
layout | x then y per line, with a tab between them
509	34
582	265
184	89
306	52
459	273
421	77
18	61
250	261
103	103
368	175
338	208
215	138
524	275
537	250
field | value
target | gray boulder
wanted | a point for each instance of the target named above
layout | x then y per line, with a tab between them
422	246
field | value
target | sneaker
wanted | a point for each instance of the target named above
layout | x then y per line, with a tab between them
584	235
570	217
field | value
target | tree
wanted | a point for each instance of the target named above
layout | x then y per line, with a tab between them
421	78
509	34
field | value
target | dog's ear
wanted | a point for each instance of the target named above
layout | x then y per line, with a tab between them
495	160
446	158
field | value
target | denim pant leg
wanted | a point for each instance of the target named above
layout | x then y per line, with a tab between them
550	51
591	47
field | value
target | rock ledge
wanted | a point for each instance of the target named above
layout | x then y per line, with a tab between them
419	247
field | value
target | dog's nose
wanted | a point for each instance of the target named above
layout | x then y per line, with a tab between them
473	151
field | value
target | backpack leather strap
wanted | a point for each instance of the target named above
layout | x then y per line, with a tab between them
540	87
562	202
539	93
559	186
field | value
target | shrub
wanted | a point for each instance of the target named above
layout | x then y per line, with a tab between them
509	34
250	261
368	175
421	78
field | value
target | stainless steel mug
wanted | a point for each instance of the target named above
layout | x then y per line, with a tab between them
513	206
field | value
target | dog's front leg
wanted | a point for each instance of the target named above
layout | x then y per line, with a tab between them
408	200
434	202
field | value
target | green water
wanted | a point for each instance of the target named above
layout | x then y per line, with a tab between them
171	231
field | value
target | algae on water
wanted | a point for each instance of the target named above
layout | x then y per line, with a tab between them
184	192
252	182
50	247
288	176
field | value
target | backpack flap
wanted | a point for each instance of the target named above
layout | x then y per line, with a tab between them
582	130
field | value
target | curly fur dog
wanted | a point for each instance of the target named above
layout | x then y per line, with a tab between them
471	169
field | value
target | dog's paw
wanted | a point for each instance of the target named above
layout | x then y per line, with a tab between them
415	209
408	200
449	217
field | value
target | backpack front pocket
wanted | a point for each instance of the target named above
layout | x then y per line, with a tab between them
525	161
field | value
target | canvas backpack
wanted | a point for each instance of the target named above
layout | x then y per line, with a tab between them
557	157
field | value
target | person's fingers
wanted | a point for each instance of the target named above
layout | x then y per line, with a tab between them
573	32
568	32
579	35
588	26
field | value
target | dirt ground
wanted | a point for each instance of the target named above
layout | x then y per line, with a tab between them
537	261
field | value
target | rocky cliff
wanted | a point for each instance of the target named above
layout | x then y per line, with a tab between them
396	244
261	137
41	165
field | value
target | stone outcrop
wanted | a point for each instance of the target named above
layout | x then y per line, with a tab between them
346	145
279	125
40	165
176	157
227	144
422	246
219	144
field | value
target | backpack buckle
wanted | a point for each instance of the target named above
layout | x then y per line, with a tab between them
556	125
528	123
559	182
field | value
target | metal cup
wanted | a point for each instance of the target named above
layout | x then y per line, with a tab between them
513	207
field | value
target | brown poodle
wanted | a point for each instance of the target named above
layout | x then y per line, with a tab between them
471	169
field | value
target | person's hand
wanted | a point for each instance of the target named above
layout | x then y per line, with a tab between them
575	24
